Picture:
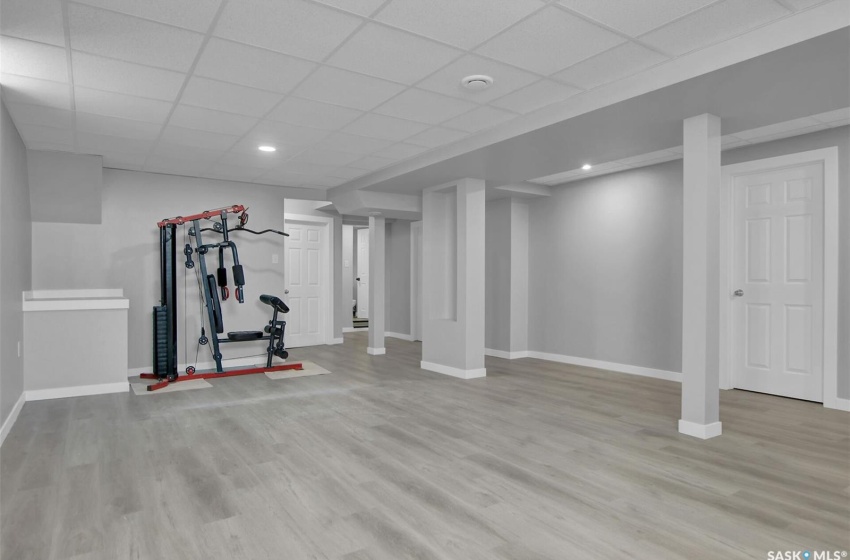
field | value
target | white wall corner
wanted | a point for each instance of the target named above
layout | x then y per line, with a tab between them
454	372
339	340
349	329
401	336
376	351
838	404
701	431
505	355
12	418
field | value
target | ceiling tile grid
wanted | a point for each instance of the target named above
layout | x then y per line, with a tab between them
341	87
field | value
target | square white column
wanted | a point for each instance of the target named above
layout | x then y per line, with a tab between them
701	279
377	293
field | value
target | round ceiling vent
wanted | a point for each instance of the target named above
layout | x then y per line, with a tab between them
477	82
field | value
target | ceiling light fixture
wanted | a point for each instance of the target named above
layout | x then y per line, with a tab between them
267	149
477	82
586	167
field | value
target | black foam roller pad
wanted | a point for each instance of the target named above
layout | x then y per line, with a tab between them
238	275
222	276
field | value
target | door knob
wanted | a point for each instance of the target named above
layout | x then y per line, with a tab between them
285	292
738	293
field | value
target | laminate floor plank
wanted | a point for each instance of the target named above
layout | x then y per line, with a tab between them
381	460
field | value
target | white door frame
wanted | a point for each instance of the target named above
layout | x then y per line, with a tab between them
415	280
327	266
829	158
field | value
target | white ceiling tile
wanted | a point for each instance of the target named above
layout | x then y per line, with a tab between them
211	121
233	173
121	106
281	176
320	181
34	60
19	89
191	14
387	128
128	38
634	18
436	136
256	159
187	153
295	27
198	138
97	72
176	166
391	54
111	126
348	173
372	163
88	143
287	138
360	7
480	119
338	87
231	98
713	24
251	66
833	116
33	134
464	24
770	130
548	41
424	106
295	165
305	112
324	157
535	96
400	151
36	20
115	160
505	79
619	62
40	115
353	144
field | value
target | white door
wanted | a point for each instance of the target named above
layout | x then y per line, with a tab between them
362	273
777	281
305	279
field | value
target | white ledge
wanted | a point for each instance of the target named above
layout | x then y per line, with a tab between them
74	300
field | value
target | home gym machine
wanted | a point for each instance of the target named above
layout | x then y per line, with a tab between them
165	314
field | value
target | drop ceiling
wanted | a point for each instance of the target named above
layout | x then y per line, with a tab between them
343	88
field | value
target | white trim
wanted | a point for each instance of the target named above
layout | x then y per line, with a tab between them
348	329
327	266
842	404
376	351
506	355
829	158
9	423
402	336
701	431
74	294
74	304
611	366
454	372
339	340
79	391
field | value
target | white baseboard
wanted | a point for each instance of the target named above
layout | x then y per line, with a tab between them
348	329
339	340
376	351
12	418
701	431
840	404
402	336
612	366
505	355
80	391
454	372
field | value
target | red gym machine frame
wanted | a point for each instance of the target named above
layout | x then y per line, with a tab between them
165	316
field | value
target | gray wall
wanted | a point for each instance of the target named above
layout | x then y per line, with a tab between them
123	252
833	137
497	296
15	259
605	269
397	283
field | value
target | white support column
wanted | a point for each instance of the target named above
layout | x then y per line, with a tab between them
519	279
453	217
701	281
377	260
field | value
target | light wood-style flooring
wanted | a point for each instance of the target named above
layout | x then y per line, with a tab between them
383	460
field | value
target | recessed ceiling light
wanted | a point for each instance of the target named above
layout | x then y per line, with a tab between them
477	82
267	149
586	166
